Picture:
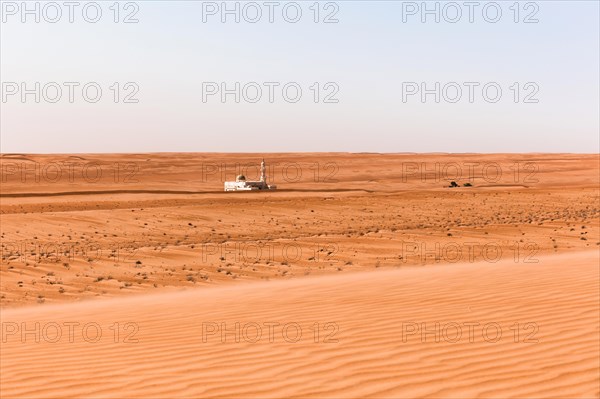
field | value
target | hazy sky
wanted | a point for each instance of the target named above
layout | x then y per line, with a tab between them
371	66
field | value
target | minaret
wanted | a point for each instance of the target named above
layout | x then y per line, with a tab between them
263	174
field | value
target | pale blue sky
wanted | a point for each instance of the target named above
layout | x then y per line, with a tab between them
368	54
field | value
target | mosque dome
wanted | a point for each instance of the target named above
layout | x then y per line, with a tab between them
240	178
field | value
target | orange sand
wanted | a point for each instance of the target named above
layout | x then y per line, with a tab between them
370	349
367	249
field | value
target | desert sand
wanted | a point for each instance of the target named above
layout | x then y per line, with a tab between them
362	253
534	334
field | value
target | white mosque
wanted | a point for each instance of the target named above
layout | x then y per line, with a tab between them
241	184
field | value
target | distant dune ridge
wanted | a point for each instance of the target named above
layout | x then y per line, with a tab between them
364	275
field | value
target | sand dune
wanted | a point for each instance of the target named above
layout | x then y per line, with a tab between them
369	342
